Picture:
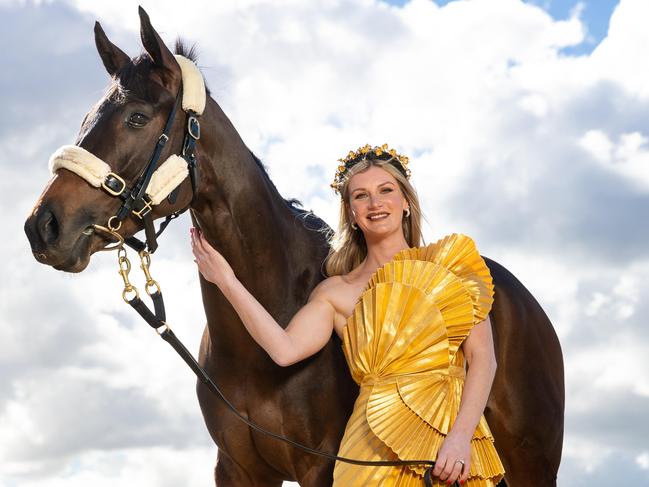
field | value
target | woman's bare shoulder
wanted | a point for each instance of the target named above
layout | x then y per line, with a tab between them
328	288
336	291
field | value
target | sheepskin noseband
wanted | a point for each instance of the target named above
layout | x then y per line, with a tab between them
166	177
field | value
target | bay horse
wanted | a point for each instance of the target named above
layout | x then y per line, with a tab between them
276	250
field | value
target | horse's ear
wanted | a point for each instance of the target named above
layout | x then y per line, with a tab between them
111	55
163	59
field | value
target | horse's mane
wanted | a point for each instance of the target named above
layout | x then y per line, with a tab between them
310	219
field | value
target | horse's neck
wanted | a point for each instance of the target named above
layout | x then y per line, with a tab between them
244	216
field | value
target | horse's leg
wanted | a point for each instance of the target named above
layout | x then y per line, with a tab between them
228	473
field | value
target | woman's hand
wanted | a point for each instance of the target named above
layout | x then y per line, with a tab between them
455	447
307	332
211	264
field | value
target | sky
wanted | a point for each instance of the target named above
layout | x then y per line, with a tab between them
527	125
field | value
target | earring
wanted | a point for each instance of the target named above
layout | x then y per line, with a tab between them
354	226
408	212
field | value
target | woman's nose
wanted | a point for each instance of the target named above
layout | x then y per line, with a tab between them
375	200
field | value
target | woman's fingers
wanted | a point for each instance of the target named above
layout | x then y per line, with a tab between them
465	471
440	464
197	249
197	240
449	470
456	470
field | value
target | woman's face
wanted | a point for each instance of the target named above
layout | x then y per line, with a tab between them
376	202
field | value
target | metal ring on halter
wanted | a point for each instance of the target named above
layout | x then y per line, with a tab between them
107	231
110	225
131	290
161	329
152	284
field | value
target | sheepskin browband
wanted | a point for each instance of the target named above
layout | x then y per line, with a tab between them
167	176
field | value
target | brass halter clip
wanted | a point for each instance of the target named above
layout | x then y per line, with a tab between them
145	259
124	269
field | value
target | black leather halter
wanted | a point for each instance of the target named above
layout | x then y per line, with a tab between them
135	200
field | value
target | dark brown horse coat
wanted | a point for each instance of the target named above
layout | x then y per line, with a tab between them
277	252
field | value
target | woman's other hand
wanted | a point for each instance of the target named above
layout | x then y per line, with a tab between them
211	264
455	447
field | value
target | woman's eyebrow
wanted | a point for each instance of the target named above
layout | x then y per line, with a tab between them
382	184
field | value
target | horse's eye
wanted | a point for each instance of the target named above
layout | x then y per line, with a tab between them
137	120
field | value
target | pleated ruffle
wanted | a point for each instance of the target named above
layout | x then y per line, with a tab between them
458	254
402	345
395	329
410	437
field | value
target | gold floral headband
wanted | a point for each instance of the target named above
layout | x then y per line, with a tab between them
368	153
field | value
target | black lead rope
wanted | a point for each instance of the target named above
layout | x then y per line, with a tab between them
156	320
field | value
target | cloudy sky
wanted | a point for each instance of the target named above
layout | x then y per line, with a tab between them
528	126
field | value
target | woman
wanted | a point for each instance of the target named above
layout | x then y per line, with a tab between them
406	332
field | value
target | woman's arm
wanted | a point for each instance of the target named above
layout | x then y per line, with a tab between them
479	352
307	332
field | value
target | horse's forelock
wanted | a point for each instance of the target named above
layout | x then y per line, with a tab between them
133	79
190	52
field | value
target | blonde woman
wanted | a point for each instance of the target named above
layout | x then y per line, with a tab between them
410	318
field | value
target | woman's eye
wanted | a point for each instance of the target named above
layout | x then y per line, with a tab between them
137	120
359	195
387	190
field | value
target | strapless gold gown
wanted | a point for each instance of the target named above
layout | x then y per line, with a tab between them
402	345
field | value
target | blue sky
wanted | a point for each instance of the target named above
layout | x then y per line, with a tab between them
595	15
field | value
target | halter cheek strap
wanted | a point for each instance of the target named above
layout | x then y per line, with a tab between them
156	182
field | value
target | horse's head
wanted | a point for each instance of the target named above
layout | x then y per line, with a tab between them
115	142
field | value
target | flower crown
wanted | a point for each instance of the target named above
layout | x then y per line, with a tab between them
368	153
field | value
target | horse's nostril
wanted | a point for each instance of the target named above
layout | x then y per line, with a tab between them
48	227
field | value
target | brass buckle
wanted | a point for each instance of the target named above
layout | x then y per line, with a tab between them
142	212
193	127
112	191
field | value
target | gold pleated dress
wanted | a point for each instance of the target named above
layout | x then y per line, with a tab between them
402	345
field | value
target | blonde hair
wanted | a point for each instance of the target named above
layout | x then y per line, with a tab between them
348	246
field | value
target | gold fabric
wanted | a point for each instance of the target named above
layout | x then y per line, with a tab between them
402	345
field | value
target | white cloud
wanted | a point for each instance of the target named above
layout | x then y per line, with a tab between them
598	144
628	157
643	460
